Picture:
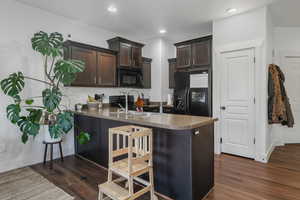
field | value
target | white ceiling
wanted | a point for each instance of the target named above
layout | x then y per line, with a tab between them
286	13
144	18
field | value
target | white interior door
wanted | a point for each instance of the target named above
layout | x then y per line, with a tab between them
290	66
237	103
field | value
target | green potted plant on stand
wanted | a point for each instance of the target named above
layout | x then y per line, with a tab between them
30	114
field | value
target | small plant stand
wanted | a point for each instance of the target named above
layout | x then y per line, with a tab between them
51	152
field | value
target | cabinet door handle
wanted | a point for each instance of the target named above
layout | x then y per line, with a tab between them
99	79
95	79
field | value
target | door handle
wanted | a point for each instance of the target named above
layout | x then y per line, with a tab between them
223	108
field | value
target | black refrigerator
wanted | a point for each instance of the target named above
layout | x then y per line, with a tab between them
193	93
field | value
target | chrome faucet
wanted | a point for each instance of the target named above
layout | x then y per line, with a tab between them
126	93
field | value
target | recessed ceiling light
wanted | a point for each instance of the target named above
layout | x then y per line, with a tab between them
162	31
112	9
231	10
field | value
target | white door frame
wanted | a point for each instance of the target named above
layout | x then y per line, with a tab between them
257	45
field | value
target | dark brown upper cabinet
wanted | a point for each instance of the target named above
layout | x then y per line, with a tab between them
184	53
194	53
107	70
129	52
89	57
146	72
201	53
136	56
125	55
100	64
172	70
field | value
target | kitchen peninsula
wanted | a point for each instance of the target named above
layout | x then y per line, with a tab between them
183	148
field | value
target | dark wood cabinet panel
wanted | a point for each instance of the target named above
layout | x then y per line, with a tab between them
147	72
91	125
184	54
130	52
194	54
136	56
100	64
172	69
125	55
106	69
192	154
89	57
201	53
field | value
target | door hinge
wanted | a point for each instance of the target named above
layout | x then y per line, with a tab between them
254	140
254	59
221	140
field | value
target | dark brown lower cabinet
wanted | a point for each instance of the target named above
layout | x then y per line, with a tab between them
183	160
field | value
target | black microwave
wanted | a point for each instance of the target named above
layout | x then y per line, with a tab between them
130	78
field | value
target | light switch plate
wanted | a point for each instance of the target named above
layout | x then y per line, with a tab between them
2	147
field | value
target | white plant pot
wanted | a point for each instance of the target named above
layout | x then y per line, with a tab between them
48	138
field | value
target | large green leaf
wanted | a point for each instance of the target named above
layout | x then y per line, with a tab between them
13	85
28	127
55	131
50	45
34	115
13	112
65	70
24	138
51	98
65	121
83	137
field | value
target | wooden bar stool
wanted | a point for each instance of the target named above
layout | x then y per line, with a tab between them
51	152
130	156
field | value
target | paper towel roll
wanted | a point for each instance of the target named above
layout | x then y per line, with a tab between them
170	99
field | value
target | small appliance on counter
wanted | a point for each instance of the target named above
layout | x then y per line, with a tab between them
170	100
193	93
117	100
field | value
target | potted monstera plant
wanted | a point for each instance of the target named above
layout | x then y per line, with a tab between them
45	109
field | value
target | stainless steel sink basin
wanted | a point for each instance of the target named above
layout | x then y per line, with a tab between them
133	113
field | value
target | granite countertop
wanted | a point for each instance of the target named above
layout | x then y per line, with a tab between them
159	120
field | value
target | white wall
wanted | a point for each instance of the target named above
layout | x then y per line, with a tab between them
18	24
250	26
160	50
270	136
286	39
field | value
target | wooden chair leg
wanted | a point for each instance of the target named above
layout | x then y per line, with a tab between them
130	183
151	178
101	196
61	153
51	156
45	154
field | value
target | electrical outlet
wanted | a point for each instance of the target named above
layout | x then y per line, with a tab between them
2	147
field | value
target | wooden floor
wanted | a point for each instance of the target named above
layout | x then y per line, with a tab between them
235	178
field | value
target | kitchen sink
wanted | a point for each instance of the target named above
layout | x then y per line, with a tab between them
134	113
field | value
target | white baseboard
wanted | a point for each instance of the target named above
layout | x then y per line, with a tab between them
264	158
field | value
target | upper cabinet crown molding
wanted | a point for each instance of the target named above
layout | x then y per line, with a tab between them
129	52
88	46
209	37
120	39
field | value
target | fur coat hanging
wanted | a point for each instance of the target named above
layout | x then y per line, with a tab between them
279	108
